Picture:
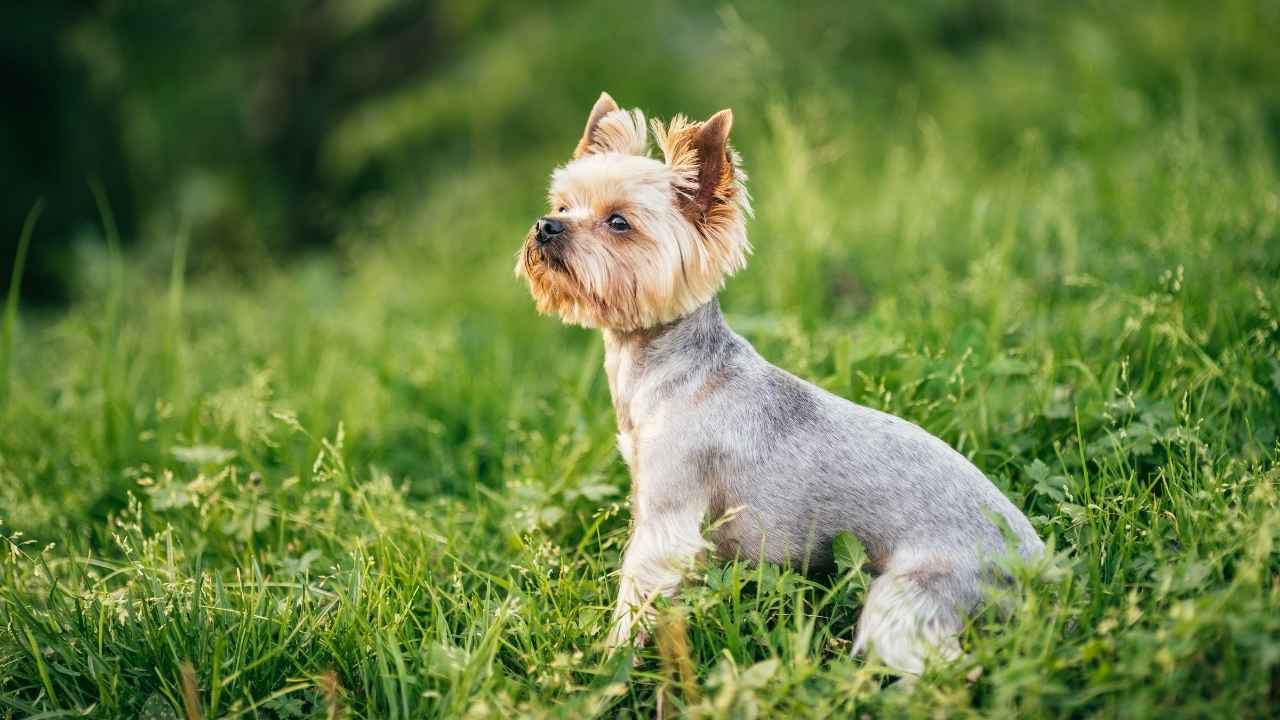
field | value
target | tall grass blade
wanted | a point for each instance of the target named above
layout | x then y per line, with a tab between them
11	302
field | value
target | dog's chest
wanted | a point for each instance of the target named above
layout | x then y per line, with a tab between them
625	373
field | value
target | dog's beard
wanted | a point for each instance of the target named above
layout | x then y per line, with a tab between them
555	287
553	256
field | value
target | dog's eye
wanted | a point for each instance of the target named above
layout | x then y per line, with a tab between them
617	223
562	209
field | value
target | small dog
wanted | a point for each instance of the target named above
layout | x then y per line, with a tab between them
639	247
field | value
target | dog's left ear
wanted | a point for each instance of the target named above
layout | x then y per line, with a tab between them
715	162
603	106
611	130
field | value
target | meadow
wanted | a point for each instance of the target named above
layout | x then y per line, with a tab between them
370	482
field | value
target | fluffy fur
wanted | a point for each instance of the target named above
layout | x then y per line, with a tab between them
712	432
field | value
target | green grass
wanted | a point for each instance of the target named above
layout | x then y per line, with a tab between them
372	483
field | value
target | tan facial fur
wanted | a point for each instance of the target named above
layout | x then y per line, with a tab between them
687	215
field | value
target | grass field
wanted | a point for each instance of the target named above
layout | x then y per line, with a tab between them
373	483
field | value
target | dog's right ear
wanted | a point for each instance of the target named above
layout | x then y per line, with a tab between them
603	106
715	161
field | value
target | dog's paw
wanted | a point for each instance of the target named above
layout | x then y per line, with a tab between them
625	633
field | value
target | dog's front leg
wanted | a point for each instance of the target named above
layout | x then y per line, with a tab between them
663	547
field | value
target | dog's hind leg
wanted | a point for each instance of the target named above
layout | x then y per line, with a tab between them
912	614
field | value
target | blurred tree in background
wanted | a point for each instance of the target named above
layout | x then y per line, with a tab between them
209	114
58	132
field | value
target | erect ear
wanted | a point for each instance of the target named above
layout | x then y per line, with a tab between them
603	106
715	161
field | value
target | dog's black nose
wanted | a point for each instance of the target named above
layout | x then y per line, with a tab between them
548	229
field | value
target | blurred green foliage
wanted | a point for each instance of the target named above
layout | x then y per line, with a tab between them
367	480
260	127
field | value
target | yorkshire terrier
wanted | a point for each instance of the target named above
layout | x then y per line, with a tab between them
715	437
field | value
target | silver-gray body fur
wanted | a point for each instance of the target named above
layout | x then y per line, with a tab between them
708	427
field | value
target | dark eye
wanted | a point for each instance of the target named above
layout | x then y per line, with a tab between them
617	223
562	209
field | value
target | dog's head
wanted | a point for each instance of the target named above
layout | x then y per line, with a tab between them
631	241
